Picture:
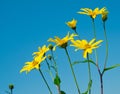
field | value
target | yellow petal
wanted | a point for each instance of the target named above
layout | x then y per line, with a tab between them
85	54
96	43
93	40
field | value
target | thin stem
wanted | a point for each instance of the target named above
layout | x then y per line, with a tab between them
11	91
94	30
101	79
96	55
77	33
58	88
56	70
72	70
45	81
49	70
47	64
106	58
89	71
55	64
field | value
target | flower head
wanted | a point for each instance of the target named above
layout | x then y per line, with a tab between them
35	64
85	46
104	13
72	24
38	58
90	12
62	42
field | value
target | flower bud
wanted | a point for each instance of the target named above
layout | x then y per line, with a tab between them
104	18
49	57
50	46
11	86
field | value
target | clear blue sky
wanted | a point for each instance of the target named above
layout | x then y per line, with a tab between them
27	24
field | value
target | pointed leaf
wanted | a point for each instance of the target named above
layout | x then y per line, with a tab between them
62	92
57	80
89	87
85	61
112	67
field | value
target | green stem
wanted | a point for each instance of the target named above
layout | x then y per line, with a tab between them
56	70
11	91
106	58
45	81
101	79
49	70
58	88
55	64
94	31
96	55
77	33
89	71
72	70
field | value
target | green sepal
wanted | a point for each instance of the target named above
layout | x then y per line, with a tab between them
57	80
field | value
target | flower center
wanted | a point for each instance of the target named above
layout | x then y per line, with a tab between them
87	46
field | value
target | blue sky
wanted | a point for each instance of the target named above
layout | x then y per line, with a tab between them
27	24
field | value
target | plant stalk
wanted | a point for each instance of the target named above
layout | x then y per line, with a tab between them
89	71
45	81
72	70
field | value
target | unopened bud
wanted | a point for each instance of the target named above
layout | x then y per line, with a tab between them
11	86
49	57
50	46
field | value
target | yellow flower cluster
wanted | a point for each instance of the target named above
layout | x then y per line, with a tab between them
80	44
37	59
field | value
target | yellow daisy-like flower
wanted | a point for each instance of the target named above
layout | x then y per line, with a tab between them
72	24
42	50
90	12
87	47
104	13
35	64
62	42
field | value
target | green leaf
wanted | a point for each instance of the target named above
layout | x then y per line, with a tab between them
112	67
89	87
85	61
62	92
57	80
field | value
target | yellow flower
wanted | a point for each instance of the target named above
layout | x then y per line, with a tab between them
90	12
85	46
104	13
62	42
72	24
42	50
35	64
